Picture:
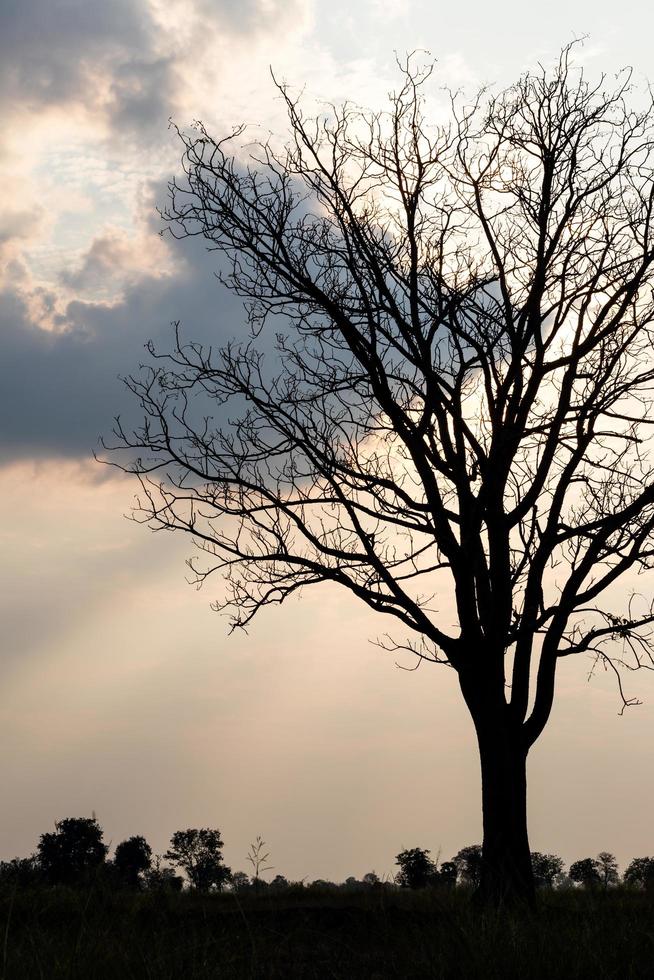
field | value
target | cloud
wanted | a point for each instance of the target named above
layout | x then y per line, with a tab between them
253	16
116	260
83	292
123	62
18	227
142	93
60	388
19	224
51	50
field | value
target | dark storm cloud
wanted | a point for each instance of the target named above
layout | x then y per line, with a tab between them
60	391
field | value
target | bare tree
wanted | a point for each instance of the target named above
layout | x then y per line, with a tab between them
460	399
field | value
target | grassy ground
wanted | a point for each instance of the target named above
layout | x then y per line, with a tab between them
88	934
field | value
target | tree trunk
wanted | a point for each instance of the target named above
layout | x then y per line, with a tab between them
506	873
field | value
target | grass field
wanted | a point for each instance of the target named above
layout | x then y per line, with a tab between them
92	933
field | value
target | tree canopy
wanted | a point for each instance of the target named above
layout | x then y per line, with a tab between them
417	870
74	848
132	858
199	854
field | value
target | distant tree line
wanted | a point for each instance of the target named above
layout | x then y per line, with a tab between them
418	870
75	854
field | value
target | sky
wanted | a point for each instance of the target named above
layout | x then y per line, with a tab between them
122	693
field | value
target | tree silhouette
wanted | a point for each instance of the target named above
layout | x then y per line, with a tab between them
469	864
21	872
158	878
546	868
132	858
417	870
240	881
607	867
640	872
586	872
72	851
198	853
448	874
459	403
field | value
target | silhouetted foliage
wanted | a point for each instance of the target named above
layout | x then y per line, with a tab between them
240	881
462	314
21	872
607	867
585	872
158	878
321	885
448	874
417	870
132	858
73	851
640	872
468	862
547	868
76	851
198	853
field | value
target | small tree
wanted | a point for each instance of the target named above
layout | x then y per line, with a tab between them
132	859
417	870
74	850
640	873
371	879
607	867
547	868
198	853
585	872
469	863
